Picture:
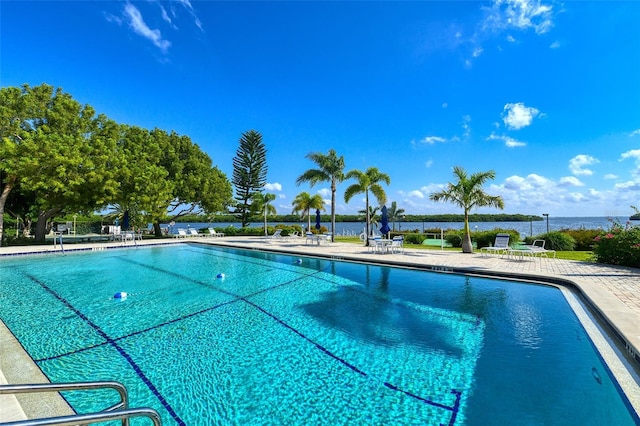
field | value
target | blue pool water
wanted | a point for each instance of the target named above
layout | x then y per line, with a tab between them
321	342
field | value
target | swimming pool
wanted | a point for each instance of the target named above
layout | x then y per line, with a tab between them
320	342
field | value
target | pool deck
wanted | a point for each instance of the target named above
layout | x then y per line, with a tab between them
612	292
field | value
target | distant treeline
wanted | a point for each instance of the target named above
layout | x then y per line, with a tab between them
635	217
293	218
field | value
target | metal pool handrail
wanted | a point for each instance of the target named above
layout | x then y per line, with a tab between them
118	411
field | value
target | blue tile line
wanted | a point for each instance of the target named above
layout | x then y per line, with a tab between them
122	352
458	394
454	409
346	363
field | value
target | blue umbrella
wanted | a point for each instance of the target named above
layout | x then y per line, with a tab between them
318	219
125	220
384	220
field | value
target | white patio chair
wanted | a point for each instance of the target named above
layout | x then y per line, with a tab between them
500	245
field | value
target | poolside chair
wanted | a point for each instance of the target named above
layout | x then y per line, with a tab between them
194	233
397	244
182	233
500	245
214	233
295	235
276	235
309	238
376	245
537	248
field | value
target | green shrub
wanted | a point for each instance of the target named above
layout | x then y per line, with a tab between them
555	240
488	238
413	238
584	238
618	246
454	238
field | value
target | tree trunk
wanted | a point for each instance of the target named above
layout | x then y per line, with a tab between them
266	234
366	240
41	225
157	231
467	247
3	200
333	210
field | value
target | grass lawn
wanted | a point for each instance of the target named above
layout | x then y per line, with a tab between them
581	256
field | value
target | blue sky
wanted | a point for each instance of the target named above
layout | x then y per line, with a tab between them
546	94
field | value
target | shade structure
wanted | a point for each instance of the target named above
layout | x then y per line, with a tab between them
384	220
125	220
318	219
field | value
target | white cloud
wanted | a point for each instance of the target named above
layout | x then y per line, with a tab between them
187	5
432	139
634	153
610	176
635	133
508	141
428	163
416	194
165	15
633	186
518	115
570	181
137	24
555	45
511	39
466	119
111	18
518	14
477	52
445	105
577	164
273	187
325	192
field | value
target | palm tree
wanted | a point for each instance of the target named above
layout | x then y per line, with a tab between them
467	193
330	169
367	181
304	202
394	213
261	204
373	218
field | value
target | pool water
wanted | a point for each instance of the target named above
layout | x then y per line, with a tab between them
300	341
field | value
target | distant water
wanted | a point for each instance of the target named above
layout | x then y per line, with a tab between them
525	228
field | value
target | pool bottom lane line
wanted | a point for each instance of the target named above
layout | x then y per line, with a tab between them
122	352
457	393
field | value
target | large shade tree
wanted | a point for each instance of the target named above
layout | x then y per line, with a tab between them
304	203
249	172
53	147
368	181
64	159
330	169
467	193
167	176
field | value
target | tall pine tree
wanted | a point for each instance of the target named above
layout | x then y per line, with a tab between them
249	172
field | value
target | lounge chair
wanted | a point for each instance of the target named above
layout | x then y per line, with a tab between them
194	233
295	235
500	245
537	248
214	233
182	233
276	235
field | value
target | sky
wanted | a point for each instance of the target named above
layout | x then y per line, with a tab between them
544	93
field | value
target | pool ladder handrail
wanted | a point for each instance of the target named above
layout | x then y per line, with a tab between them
118	411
